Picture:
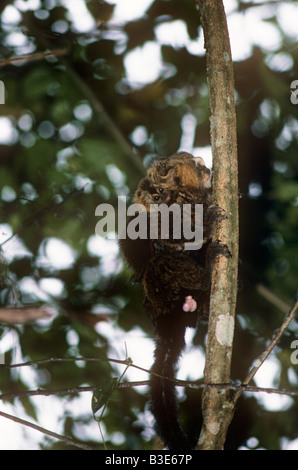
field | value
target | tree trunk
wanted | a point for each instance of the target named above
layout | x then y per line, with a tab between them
217	410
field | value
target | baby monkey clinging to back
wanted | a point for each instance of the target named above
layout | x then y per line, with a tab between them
176	281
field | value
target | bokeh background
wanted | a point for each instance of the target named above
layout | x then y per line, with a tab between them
127	81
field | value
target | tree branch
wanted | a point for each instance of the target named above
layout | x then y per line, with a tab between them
217	413
261	359
46	431
272	298
217	388
141	383
33	57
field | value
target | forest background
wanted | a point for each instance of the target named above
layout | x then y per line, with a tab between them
102	90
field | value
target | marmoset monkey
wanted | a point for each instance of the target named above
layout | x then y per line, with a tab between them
176	281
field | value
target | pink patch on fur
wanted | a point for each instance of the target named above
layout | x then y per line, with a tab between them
190	304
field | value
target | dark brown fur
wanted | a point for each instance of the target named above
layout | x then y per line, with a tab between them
169	274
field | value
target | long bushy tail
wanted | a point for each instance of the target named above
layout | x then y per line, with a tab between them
169	345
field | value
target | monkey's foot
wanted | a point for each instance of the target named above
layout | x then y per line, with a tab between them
190	304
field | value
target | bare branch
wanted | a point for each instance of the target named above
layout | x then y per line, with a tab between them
46	393
272	298
261	359
124	362
23	59
141	383
46	431
216	387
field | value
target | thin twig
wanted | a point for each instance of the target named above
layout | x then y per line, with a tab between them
46	393
46	431
141	383
261	359
33	57
272	298
126	362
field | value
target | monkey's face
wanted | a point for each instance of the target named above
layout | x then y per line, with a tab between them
149	193
169	180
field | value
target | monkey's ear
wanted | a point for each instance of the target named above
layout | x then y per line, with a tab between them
205	173
199	161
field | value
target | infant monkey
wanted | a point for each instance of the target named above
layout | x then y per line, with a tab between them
176	281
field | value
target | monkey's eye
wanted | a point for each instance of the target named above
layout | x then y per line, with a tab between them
156	198
160	190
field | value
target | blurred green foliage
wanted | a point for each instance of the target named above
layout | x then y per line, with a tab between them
64	155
